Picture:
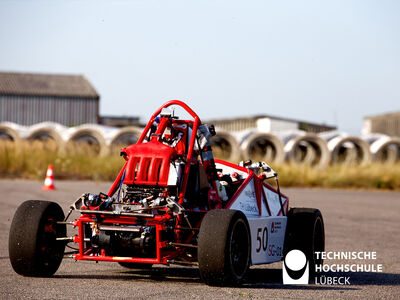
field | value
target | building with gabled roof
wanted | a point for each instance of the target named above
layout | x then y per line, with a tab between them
27	99
267	123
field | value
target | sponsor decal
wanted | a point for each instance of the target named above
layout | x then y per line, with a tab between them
274	250
250	194
249	206
276	227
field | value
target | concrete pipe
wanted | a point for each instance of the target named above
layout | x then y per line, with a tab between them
48	131
349	150
92	136
305	148
386	150
126	136
262	146
225	146
9	132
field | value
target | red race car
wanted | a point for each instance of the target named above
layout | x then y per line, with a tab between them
172	203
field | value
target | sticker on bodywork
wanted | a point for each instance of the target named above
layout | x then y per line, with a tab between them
267	238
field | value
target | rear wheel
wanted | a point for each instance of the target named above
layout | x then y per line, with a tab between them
224	247
306	232
33	248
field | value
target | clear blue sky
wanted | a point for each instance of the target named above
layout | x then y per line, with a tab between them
321	61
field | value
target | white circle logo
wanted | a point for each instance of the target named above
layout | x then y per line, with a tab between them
295	260
295	268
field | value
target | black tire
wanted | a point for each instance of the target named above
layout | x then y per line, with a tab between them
32	244
135	265
224	247
306	232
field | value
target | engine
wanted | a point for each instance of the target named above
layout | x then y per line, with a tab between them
118	240
136	194
124	240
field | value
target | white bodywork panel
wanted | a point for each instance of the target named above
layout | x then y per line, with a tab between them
267	238
273	201
246	201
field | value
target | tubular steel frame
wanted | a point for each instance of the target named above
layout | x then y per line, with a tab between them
163	254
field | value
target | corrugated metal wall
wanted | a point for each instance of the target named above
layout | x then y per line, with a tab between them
32	110
235	125
389	125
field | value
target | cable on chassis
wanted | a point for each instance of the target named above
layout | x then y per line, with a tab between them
171	203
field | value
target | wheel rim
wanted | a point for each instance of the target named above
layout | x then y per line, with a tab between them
50	250
239	248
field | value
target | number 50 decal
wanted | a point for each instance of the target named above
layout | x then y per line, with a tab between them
262	239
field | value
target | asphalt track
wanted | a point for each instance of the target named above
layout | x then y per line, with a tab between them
354	221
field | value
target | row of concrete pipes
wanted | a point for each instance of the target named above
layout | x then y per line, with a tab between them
297	147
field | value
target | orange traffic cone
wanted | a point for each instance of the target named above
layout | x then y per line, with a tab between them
49	181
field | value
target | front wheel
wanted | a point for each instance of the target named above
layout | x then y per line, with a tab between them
306	232
33	246
224	247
